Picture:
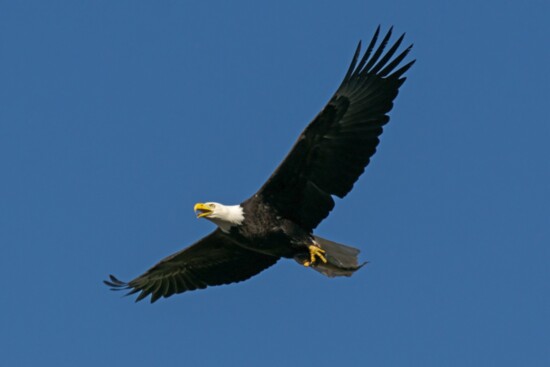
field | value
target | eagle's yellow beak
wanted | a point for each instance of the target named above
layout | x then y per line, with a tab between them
202	209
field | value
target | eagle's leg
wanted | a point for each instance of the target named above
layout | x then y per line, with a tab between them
314	253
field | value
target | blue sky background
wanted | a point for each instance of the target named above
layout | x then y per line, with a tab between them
117	116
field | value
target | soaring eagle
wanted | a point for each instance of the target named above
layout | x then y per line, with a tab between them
278	220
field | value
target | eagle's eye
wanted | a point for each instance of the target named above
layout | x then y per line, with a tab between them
212	205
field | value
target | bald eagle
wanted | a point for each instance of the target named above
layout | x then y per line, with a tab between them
278	220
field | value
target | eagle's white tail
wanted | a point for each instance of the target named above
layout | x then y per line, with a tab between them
341	259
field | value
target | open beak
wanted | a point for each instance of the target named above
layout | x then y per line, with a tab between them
202	210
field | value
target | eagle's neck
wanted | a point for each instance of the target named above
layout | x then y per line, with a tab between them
228	216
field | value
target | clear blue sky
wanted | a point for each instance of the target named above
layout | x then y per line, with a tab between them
117	116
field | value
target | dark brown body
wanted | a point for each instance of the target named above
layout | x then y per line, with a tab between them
267	232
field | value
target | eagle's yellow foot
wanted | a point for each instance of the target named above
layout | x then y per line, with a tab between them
314	253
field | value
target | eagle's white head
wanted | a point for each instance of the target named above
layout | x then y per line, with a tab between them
224	216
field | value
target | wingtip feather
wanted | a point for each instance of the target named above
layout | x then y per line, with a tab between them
115	283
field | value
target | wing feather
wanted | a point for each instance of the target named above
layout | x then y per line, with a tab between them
334	149
214	260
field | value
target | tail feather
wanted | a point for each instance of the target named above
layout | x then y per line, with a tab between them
341	259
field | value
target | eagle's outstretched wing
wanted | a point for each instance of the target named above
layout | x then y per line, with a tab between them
213	260
334	149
